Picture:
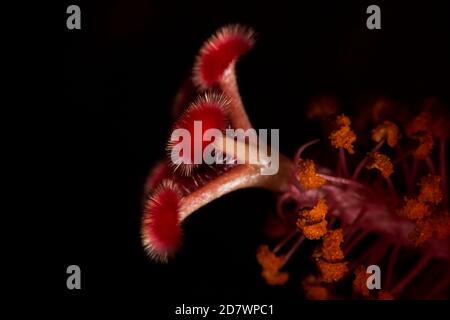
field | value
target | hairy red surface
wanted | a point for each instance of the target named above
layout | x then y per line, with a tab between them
219	52
161	231
211	110
158	173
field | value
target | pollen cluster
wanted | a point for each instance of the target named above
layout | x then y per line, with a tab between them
430	189
422	211
425	144
344	136
414	209
314	289
307	175
420	129
312	222
381	162
436	224
386	130
271	265
330	257
360	282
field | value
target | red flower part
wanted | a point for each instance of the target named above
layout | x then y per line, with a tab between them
185	96
220	52
209	111
214	67
158	173
161	231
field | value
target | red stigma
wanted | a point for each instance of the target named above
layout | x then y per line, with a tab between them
221	51
160	172
211	111
161	232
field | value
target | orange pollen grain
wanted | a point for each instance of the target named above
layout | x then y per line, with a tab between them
312	221
381	162
316	214
387	130
436	224
426	143
414	209
307	175
430	189
316	293
275	278
331	246
422	232
271	265
332	272
360	282
314	290
343	121
314	231
343	137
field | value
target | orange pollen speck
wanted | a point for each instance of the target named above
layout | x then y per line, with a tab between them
387	130
343	121
275	278
360	282
437	225
332	272
344	136
331	246
312	221
422	232
414	209
314	290
307	175
271	265
426	143
430	189
313	231
316	293
329	257
316	214
381	162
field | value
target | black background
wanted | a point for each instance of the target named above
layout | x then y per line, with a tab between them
121	73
